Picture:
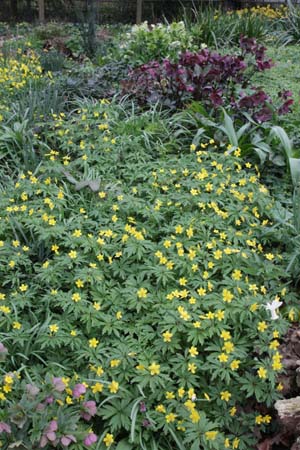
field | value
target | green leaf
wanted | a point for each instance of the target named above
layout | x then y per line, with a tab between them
124	445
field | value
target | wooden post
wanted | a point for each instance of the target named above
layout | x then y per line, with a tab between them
14	9
41	4
139	8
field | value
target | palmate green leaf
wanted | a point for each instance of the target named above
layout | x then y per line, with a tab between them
124	445
118	414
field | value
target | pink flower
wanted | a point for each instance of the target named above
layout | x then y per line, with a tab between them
90	439
32	390
2	348
58	384
4	428
49	434
3	352
90	409
50	431
67	440
78	390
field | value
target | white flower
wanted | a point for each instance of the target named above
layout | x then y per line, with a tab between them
272	307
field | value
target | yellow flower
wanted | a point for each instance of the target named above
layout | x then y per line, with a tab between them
267	419
108	439
262	373
160	408
93	343
96	306
259	419
211	435
193	352
99	371
227	443
181	392
170	395
227	296
223	357
228	347
232	411
77	233
55	249
113	387
182	281
235	364
115	362
220	315
269	256
236	275
23	287
225	395
17	325
54	328
98	387
167	335
72	254
79	283
178	229
225	335
276	365
291	315
73	333
167	244
194	416
279	387
142	293
201	291
171	417
235	443
218	254
154	369
262	326
76	297
192	368
274	344
119	315
8	379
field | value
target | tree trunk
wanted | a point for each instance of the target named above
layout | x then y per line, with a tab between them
14	9
139	8
91	30
41	4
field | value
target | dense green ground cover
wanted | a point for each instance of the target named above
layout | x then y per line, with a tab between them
149	258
